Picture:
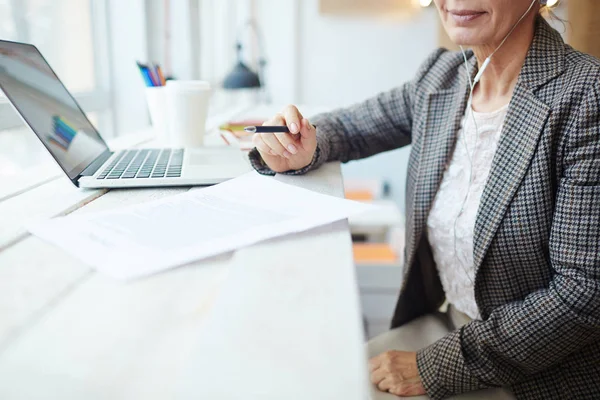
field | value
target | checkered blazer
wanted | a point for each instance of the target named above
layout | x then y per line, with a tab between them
537	231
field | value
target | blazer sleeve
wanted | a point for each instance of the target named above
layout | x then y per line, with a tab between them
378	124
522	338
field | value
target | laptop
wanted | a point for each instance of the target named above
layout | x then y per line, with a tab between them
52	113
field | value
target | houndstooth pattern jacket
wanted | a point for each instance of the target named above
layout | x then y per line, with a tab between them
537	231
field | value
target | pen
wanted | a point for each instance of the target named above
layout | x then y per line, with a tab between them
144	71
267	129
161	75
154	77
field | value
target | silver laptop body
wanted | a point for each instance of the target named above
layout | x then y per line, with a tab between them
51	112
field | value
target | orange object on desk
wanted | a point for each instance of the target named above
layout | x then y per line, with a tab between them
376	253
359	195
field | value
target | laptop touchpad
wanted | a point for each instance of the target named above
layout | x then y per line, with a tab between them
209	158
224	163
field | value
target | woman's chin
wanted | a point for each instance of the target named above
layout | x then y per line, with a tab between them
461	38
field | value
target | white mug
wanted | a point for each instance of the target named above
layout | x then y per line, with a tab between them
187	109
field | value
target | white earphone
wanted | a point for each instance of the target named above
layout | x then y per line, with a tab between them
487	60
472	84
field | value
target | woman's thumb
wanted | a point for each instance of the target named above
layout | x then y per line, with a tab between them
308	134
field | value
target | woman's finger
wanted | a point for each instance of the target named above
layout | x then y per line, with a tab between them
259	143
288	142
277	120
378	375
293	118
271	140
308	134
386	384
375	362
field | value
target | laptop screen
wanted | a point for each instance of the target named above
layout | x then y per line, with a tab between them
48	108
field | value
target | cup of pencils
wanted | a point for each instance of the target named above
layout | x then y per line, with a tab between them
156	98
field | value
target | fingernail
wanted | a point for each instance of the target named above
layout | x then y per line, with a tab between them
292	148
286	154
294	127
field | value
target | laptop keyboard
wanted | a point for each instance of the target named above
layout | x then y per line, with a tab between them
144	163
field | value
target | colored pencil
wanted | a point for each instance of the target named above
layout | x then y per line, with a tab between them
153	75
163	81
144	72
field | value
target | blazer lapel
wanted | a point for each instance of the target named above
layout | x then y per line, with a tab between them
521	131
518	142
444	114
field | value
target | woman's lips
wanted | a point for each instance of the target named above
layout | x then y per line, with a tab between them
465	16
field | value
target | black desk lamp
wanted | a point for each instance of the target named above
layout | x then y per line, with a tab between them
242	77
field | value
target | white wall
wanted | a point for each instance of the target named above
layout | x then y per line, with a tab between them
336	61
347	59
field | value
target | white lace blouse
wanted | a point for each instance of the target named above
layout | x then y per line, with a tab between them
452	218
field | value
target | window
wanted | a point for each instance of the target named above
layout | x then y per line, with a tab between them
197	40
93	45
66	32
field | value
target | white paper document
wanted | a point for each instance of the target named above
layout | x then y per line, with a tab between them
139	240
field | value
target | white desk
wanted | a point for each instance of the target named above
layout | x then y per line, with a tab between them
67	332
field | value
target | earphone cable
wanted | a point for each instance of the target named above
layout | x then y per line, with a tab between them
470	156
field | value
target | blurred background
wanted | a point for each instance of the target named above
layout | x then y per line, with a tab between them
317	54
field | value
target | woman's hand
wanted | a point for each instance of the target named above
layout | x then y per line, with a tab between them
287	151
396	372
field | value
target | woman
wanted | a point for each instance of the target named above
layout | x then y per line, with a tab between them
503	207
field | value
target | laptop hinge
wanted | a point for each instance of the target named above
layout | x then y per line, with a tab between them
97	163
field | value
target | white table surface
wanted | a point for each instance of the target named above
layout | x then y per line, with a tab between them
207	330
